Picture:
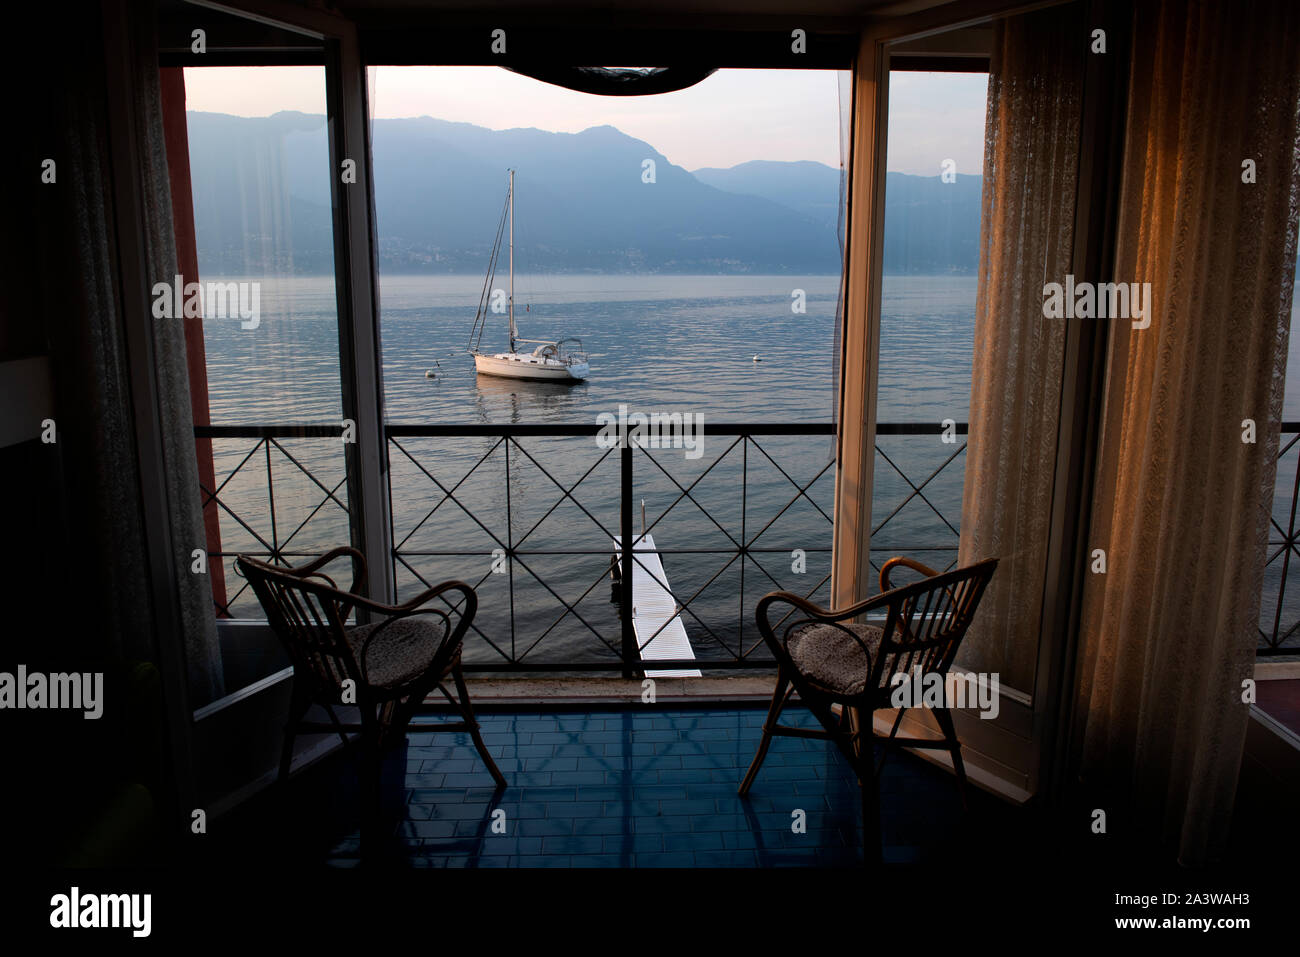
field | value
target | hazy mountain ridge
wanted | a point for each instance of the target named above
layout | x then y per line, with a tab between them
804	186
262	190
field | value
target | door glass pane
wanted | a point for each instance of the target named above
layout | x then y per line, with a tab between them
263	237
931	260
690	239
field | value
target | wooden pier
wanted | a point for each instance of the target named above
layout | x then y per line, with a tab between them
660	634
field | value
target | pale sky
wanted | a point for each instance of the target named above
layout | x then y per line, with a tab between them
732	117
934	117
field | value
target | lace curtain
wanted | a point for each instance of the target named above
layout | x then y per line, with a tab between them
91	357
1027	226
1181	503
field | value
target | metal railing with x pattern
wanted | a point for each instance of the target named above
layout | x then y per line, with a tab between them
911	491
1280	623
271	533
276	532
741	548
268	529
518	544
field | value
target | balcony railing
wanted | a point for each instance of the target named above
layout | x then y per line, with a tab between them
1278	621
455	495
600	490
726	526
268	531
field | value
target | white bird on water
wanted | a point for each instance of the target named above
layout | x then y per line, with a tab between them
757	359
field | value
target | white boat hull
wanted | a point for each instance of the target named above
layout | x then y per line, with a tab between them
514	365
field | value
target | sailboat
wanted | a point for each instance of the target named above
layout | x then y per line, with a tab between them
561	360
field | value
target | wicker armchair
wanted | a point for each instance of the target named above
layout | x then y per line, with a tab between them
391	663
844	670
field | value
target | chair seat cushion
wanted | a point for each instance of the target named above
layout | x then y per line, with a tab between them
832	660
401	652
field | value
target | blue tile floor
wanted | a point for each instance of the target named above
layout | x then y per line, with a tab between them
640	789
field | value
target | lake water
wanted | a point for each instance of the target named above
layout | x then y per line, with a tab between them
656	344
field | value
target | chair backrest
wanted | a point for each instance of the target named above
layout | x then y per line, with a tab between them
309	614
924	621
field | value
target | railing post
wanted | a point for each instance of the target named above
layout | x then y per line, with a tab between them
630	652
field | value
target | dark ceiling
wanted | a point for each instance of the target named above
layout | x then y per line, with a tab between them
758	8
379	11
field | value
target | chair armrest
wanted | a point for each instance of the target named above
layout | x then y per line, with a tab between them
451	638
831	617
828	615
902	560
407	607
310	569
813	611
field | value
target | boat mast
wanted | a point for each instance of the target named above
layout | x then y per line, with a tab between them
513	331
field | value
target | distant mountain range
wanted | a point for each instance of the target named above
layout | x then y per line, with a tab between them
262	203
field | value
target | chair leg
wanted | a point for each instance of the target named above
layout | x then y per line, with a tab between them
372	761
338	725
871	842
773	712
869	785
286	752
467	710
861	754
392	725
944	718
299	703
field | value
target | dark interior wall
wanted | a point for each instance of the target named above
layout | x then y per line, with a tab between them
33	501
77	790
